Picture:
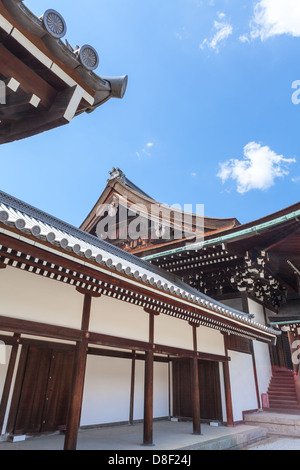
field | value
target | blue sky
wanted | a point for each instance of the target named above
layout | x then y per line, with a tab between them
208	116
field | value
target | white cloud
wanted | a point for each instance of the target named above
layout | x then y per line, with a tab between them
145	151
244	38
296	179
222	31
258	169
275	17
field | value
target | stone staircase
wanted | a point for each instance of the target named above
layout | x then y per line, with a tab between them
282	392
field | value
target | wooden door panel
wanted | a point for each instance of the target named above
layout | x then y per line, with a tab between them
209	384
31	404
209	387
45	391
58	391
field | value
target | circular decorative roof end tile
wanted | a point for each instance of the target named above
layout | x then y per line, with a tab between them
54	23
20	224
4	216
88	57
36	230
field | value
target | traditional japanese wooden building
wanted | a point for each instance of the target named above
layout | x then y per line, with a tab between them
184	317
44	81
93	334
252	266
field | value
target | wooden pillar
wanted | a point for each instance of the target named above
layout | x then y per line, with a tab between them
148	390
148	400
8	380
228	396
74	414
195	386
227	385
255	375
131	408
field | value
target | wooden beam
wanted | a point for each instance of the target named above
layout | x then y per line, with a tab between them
29	81
37	121
75	406
2	265
39	329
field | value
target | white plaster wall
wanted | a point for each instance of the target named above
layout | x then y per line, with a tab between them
263	365
235	303
31	297
106	395
161	390
114	317
257	310
138	409
210	341
171	331
242	384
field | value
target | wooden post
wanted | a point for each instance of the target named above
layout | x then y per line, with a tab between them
8	380
228	397
148	390
148	400
195	386
131	408
74	414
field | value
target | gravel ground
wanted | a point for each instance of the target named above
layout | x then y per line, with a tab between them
277	443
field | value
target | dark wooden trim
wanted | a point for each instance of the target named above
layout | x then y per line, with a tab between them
228	396
245	303
227	387
70	334
123	354
151	327
74	413
195	387
29	80
2	265
86	313
75	406
169	387
40	329
132	386
255	375
8	379
148	386
83	291
148	400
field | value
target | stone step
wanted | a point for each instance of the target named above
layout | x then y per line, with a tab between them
235	441
280	422
282	391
